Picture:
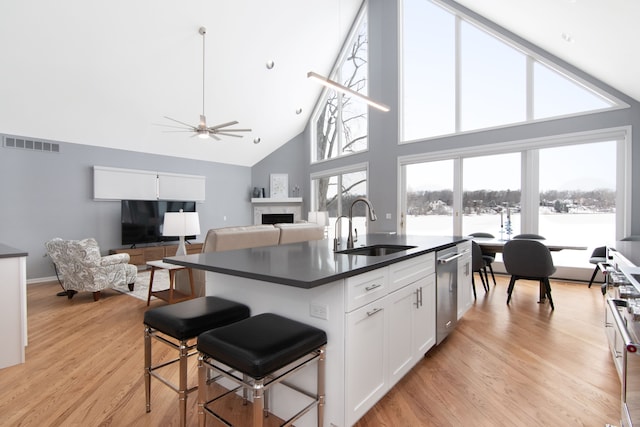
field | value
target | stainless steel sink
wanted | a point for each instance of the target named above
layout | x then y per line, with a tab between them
376	250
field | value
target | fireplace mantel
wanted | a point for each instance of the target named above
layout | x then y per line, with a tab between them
272	201
265	205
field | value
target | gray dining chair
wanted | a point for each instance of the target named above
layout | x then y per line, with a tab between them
478	265
528	236
489	257
597	256
529	260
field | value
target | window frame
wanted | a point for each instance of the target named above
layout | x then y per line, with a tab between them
335	75
531	58
530	174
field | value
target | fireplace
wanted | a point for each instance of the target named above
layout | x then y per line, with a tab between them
273	211
277	218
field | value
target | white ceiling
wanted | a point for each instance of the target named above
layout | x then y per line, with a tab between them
105	73
598	36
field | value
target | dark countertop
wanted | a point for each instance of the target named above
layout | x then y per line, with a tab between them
310	264
9	252
630	250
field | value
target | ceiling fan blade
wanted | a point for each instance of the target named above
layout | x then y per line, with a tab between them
235	130
214	137
223	125
172	126
227	134
182	123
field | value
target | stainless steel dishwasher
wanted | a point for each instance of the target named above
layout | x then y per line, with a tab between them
446	292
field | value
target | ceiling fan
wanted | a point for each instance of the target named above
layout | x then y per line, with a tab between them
202	130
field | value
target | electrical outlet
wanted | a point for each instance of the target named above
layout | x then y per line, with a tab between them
319	310
388	216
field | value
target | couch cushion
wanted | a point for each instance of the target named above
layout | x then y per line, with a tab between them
300	232
230	238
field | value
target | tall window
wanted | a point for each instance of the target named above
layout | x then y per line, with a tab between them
335	191
578	197
457	77
571	188
491	194
429	198
340	121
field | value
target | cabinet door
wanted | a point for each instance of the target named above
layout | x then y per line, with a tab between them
424	318
403	305
365	368
411	325
465	290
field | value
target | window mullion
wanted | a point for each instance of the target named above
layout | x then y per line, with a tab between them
529	89
458	83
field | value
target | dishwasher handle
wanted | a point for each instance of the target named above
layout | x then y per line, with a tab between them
449	259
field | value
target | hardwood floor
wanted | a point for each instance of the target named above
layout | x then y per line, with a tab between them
517	365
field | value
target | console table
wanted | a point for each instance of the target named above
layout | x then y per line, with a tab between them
141	256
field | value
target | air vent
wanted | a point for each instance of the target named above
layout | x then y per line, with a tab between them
31	144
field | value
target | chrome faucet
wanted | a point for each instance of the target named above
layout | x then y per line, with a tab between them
336	238
372	217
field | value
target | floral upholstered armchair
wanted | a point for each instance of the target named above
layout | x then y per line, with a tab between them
84	269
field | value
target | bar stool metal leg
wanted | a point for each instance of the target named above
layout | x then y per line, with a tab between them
147	366
321	385
182	383
258	403
202	391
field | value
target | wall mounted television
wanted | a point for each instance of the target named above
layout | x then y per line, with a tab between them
142	220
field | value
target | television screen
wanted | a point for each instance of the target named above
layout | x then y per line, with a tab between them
142	220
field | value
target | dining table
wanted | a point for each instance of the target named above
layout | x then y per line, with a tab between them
494	245
489	244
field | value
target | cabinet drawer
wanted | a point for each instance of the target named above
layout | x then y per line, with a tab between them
365	288
406	272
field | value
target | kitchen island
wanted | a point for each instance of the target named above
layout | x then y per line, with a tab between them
379	312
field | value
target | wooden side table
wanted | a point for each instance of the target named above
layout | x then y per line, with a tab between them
170	295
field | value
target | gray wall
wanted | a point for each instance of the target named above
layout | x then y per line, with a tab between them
291	158
384	128
46	195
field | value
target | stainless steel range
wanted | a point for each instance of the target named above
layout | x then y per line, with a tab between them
622	324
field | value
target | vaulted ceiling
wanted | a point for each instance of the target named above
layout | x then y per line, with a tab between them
599	37
105	73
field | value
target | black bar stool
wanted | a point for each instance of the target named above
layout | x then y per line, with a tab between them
177	324
257	353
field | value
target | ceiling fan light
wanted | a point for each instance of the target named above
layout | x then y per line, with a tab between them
203	133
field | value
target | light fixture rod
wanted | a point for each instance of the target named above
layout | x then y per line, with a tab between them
337	86
203	31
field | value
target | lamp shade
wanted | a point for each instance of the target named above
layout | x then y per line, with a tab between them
181	224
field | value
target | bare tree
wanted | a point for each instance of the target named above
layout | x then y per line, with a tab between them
340	116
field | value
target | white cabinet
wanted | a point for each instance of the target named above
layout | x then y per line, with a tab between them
366	350
13	309
132	184
390	324
411	325
465	289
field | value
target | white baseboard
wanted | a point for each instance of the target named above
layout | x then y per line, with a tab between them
38	280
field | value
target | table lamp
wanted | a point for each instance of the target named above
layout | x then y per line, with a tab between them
181	224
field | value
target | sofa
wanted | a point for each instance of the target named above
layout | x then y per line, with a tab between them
245	237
